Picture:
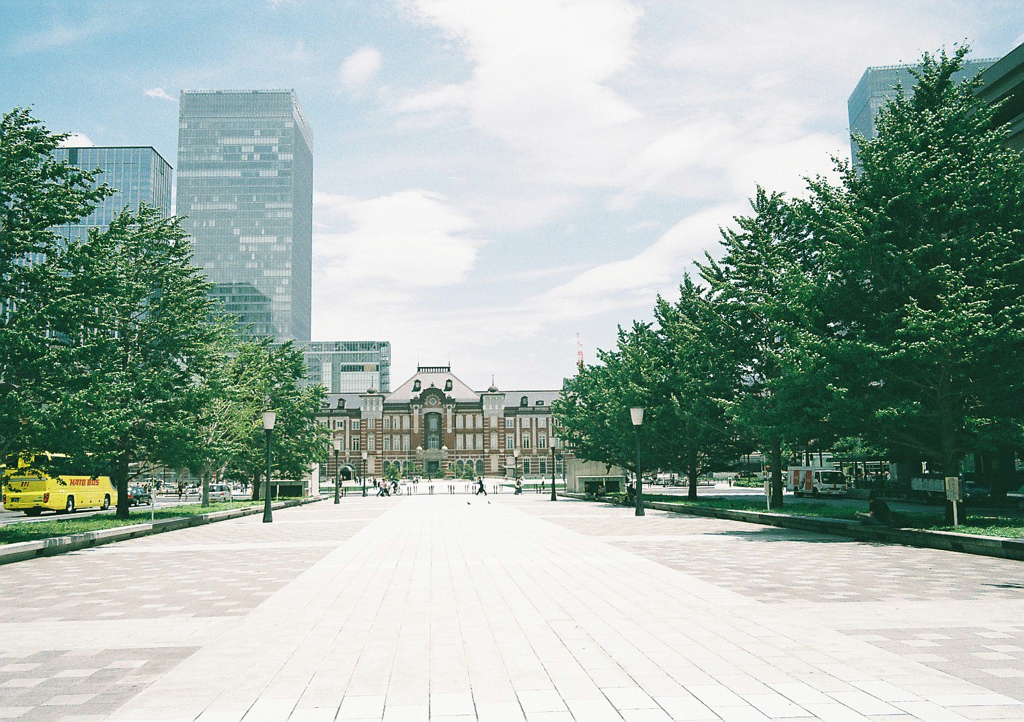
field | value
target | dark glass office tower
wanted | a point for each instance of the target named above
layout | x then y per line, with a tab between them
245	184
136	174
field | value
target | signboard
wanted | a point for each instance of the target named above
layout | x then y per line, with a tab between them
955	495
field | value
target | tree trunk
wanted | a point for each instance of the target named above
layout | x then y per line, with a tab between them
776	474
206	487
256	486
121	483
691	473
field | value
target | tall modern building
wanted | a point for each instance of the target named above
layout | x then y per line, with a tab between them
245	187
349	367
137	174
878	85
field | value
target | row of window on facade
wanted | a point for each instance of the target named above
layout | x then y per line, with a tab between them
408	467
463	442
402	422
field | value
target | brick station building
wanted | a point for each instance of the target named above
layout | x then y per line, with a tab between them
435	424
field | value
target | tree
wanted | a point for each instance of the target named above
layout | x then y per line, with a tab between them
137	343
695	385
222	423
37	196
925	278
592	411
763	287
268	378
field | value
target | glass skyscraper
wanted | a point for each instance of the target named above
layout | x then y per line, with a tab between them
135	173
878	85
245	187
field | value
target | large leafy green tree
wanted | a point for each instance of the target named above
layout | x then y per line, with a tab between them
137	343
694	350
924	256
592	411
265	377
762	285
37	196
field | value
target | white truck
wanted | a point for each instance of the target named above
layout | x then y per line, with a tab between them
815	481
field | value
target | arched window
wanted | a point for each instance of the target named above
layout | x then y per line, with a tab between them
479	467
416	385
525	401
448	385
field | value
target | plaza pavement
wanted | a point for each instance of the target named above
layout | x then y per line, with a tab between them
508	608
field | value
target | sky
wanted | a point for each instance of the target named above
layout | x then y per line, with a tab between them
494	179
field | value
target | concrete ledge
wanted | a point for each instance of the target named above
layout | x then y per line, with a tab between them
990	546
21	551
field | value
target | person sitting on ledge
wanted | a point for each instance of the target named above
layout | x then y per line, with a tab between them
878	512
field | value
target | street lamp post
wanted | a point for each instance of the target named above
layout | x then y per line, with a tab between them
515	465
364	473
337	470
636	414
553	497
269	418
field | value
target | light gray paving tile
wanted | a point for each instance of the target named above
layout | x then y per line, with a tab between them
451	704
741	713
629	698
774	705
593	710
885	691
685	707
544	700
835	712
985	699
863	703
497	712
715	695
929	711
645	715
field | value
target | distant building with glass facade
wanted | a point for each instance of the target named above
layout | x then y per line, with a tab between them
250	308
245	187
349	367
878	85
136	174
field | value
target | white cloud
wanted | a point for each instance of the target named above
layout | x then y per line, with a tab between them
410	237
360	68
159	93
76	140
634	282
541	77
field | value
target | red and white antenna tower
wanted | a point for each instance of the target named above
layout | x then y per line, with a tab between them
579	352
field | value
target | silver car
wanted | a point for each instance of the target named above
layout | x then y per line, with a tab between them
220	492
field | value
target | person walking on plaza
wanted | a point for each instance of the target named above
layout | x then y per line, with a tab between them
480	487
519	486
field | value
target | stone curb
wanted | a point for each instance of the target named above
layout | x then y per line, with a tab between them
989	546
20	551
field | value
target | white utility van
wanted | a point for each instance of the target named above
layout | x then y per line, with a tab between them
815	481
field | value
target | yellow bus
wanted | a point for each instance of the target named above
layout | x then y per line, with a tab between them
33	484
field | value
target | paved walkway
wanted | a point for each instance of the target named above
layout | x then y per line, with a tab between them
508	608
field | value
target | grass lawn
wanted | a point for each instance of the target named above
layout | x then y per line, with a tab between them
987	525
63	525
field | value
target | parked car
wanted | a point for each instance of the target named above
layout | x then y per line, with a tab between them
139	496
220	492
